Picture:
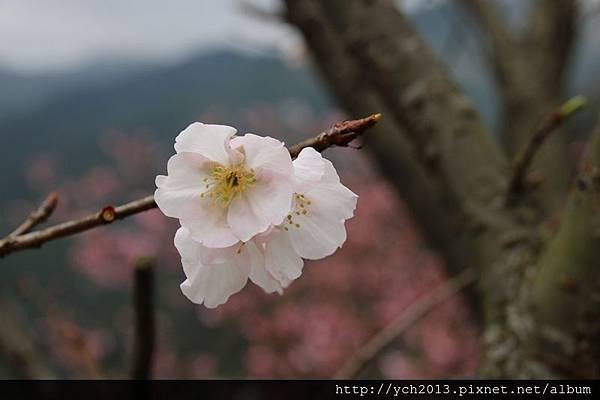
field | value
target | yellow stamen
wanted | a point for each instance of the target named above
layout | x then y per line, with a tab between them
225	183
301	208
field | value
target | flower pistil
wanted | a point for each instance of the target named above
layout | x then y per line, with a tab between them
224	183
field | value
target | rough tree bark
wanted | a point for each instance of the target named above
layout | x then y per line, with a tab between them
566	292
433	143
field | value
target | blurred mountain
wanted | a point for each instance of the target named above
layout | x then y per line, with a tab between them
160	101
67	113
24	93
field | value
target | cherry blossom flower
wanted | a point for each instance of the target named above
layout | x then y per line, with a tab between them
225	188
313	228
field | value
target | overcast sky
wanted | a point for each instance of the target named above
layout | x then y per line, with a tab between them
43	35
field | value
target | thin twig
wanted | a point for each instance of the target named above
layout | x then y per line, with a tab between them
38	216
144	327
525	156
378	343
105	216
341	134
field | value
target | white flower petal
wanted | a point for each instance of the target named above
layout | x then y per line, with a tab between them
211	141
261	206
258	273
194	188
332	198
281	259
192	252
210	285
264	153
188	249
160	180
213	285
243	220
181	189
317	236
208	225
309	168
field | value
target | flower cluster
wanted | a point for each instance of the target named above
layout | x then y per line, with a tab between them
248	211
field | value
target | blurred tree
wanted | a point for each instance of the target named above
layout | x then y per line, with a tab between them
539	283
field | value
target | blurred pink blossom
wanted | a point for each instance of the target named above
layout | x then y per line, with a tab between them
311	331
108	258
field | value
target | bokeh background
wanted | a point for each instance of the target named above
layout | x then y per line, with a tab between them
92	94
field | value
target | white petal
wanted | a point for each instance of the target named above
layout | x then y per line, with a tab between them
264	153
317	236
188	249
265	204
262	278
309	168
243	220
258	273
281	259
193	253
181	189
160	180
330	197
211	284
211	141
208	225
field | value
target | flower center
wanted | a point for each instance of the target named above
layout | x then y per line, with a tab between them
224	183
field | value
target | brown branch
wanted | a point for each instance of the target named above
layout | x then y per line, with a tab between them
378	343
551	34
565	295
144	326
549	125
38	216
414	175
423	98
341	134
105	216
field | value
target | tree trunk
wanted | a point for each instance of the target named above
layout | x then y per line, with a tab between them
437	153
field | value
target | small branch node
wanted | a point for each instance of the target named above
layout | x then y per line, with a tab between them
108	214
